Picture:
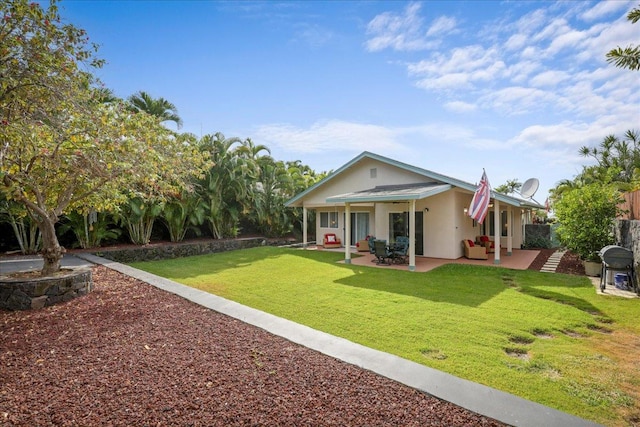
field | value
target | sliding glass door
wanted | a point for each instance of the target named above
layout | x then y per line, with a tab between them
399	226
359	226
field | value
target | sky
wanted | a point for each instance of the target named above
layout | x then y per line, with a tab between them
455	87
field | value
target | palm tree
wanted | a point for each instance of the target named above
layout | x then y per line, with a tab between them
105	95
273	189
251	150
629	57
618	160
225	186
160	107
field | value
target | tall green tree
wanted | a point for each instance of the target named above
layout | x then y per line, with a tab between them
617	161
61	148
225	186
164	110
510	187
627	57
183	212
273	188
586	215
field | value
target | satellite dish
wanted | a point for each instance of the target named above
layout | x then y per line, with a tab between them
529	188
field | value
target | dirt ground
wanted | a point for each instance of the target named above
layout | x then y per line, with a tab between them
569	264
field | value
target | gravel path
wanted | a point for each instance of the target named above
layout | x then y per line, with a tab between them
129	354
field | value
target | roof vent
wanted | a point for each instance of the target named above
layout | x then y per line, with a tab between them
373	172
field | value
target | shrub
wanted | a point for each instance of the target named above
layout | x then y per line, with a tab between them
586	215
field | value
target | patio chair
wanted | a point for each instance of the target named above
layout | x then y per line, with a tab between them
383	255
372	248
331	241
473	251
372	240
401	250
487	243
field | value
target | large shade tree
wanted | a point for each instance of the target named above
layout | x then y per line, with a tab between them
61	147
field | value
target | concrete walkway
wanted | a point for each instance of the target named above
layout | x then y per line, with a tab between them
478	398
34	262
518	260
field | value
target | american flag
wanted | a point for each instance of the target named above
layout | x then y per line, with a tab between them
480	202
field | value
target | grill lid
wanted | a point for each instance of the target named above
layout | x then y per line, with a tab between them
616	256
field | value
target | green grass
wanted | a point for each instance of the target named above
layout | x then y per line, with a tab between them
546	337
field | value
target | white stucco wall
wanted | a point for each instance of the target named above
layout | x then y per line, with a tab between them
359	178
445	222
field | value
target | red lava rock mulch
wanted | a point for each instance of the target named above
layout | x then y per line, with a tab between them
569	263
130	354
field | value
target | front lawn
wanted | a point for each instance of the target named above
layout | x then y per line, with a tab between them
545	337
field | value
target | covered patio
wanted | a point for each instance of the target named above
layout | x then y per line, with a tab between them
520	259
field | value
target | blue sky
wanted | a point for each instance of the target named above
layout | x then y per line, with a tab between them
514	87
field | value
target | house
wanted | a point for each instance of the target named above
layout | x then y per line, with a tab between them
376	195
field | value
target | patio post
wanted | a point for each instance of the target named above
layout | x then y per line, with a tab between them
304	227
347	233
412	238
509	231
496	230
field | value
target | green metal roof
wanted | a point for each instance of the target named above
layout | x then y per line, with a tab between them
392	193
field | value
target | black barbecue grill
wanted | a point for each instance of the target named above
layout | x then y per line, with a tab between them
617	259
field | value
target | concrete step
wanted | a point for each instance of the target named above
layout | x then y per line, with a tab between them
552	263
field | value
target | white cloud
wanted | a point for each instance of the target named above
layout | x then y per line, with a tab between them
542	62
519	72
464	67
531	22
517	100
332	135
605	8
399	32
516	42
448	81
549	78
460	107
442	25
570	39
553	29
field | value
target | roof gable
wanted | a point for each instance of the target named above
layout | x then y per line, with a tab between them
439	178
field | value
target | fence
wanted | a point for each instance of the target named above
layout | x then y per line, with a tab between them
630	206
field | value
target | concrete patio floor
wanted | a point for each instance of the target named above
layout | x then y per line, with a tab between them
519	259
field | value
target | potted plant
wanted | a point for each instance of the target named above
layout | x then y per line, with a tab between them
585	216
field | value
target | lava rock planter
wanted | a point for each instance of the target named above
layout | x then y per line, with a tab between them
24	293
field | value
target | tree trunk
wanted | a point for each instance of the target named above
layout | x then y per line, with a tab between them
52	252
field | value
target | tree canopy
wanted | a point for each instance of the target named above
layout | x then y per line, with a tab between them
61	146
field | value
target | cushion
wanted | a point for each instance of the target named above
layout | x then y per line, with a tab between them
484	238
331	238
470	243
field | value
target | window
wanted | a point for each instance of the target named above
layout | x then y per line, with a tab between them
329	219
